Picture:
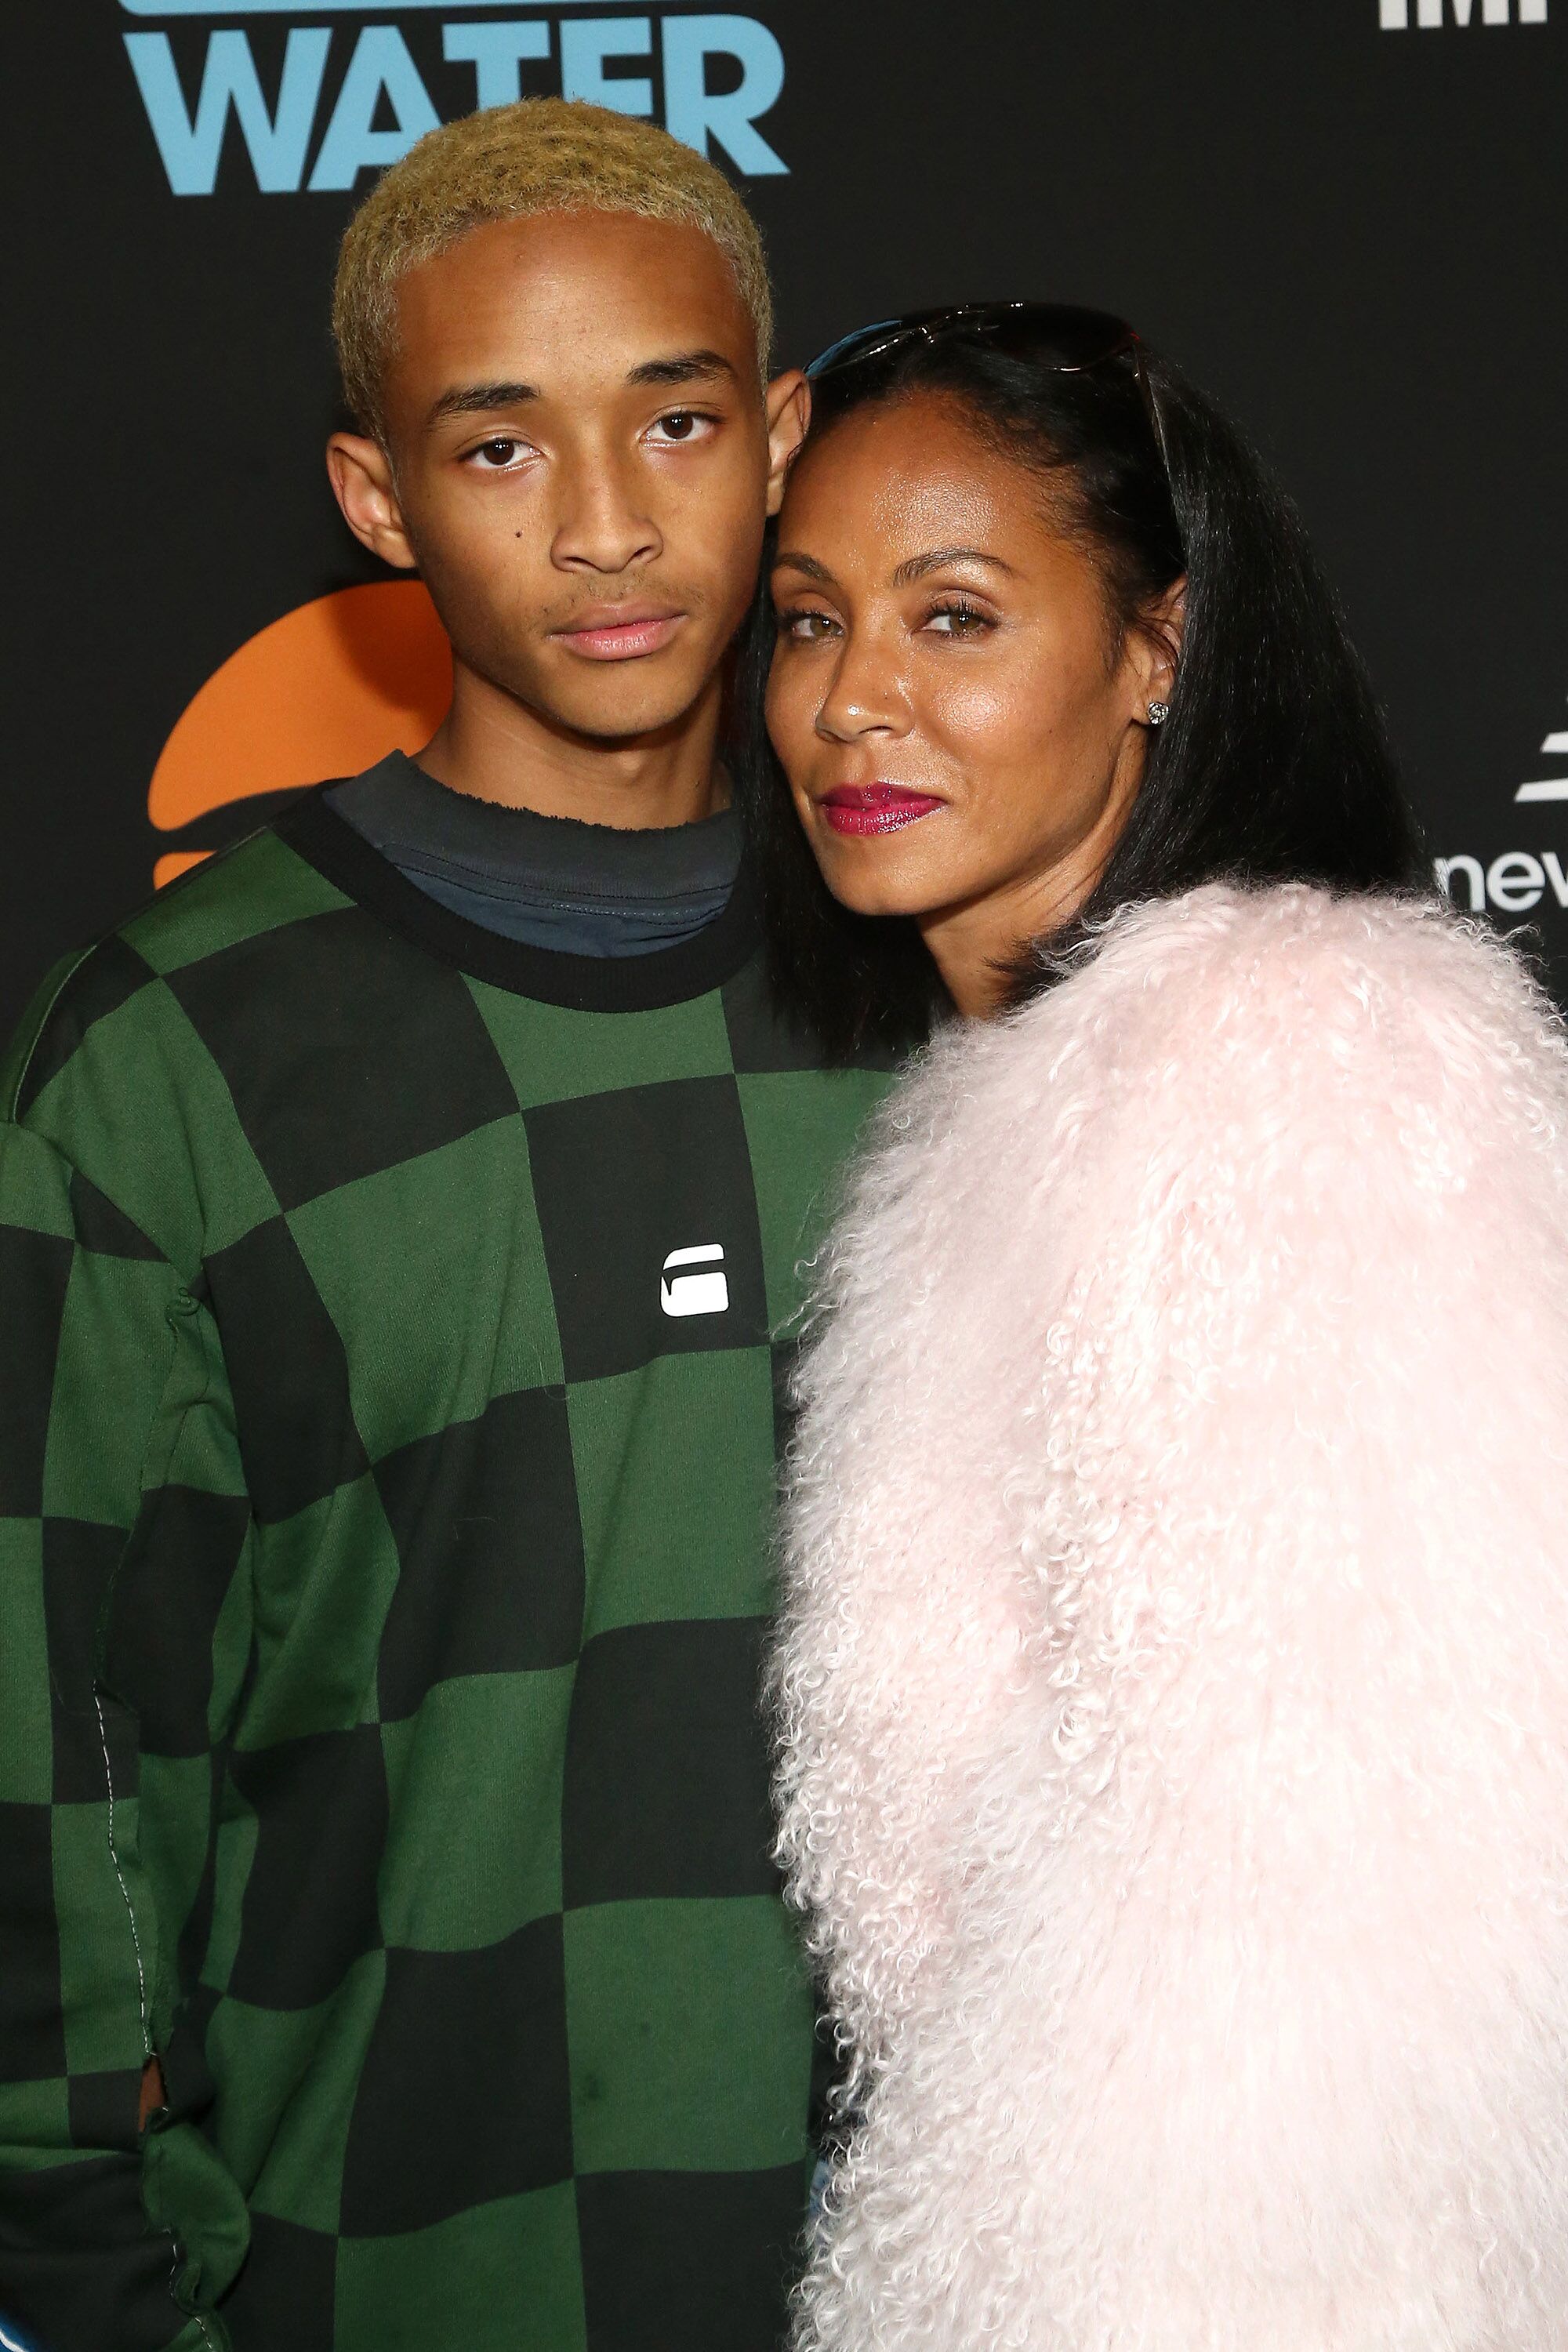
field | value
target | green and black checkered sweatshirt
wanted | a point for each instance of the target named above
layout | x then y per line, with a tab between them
387	1441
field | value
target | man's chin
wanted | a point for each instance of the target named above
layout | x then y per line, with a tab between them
613	715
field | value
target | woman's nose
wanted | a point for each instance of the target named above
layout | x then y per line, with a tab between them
866	696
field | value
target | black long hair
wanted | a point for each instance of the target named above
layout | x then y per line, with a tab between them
1273	766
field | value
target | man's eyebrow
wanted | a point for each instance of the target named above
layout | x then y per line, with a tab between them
808	564
684	367
680	367
919	566
478	399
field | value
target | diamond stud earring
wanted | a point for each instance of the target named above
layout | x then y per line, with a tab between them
1158	713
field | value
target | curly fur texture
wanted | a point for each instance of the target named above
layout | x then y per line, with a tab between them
1174	1678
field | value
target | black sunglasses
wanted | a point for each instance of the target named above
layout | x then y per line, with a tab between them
1067	340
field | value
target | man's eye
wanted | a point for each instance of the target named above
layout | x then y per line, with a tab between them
681	424
499	452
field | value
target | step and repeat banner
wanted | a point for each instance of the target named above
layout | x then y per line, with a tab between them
1346	217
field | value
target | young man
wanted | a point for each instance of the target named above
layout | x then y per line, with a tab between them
397	1216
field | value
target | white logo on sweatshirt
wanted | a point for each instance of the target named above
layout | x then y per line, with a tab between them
684	1290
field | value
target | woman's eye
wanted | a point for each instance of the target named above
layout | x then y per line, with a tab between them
806	628
957	620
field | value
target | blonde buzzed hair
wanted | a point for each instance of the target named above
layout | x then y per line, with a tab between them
509	162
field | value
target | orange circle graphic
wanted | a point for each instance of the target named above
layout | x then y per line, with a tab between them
327	690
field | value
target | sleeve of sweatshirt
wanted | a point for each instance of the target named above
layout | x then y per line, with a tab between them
123	1522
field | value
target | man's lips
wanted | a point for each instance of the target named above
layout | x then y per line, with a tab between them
875	808
619	632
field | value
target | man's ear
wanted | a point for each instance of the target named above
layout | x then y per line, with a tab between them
788	404
363	484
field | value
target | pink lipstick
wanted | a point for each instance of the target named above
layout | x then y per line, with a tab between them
875	808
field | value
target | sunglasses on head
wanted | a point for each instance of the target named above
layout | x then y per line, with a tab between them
1059	335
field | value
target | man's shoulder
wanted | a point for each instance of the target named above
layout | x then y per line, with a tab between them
772	1036
258	887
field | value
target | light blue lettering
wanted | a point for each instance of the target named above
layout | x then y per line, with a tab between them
379	64
496	52
690	111
275	7
191	147
585	45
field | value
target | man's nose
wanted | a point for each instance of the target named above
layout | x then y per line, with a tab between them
602	526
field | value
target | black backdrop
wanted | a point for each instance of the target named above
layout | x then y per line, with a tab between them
1350	226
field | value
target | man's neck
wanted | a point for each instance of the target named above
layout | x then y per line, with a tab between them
494	749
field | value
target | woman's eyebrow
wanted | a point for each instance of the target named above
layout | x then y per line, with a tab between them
785	562
918	566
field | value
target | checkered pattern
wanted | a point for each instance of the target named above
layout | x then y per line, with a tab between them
383	1579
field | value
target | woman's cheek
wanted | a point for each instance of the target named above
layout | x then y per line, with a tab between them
774	711
779	711
982	719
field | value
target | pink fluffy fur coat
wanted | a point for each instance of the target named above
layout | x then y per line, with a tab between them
1172	1684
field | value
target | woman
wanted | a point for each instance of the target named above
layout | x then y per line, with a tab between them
1174	1679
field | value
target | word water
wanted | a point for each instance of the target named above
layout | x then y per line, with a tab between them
315	137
